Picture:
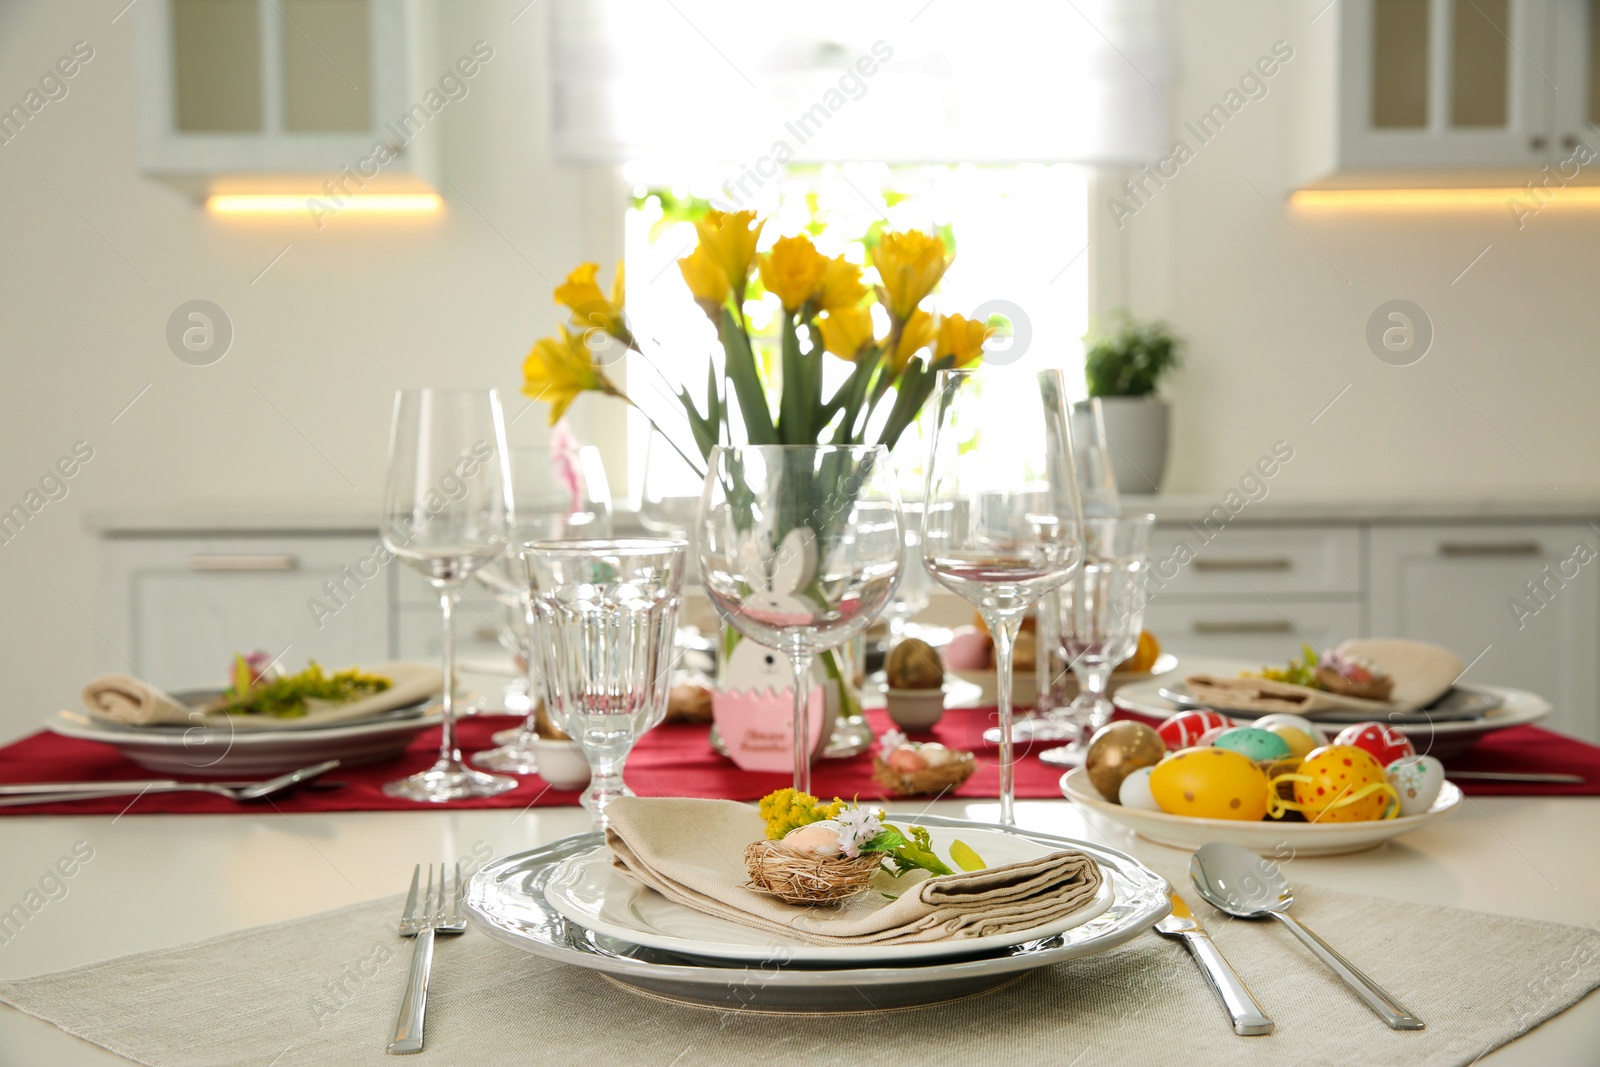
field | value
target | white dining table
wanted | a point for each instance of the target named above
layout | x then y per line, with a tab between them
159	880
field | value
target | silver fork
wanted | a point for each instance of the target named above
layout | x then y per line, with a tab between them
424	924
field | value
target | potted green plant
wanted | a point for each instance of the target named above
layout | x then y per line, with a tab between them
1123	367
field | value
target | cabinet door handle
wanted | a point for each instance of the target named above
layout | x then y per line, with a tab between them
1489	548
1241	626
1266	563
1536	143
243	563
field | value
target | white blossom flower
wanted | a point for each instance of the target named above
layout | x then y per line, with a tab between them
891	740
857	827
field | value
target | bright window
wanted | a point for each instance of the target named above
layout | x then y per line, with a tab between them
1019	233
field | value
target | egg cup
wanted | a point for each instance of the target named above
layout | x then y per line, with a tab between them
943	778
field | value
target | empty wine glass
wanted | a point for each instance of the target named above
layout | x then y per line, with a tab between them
1100	614
605	614
447	511
800	549
558	494
1002	522
669	498
1091	451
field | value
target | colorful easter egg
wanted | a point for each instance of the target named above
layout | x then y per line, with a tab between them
1342	783
1384	742
1185	729
1210	783
1417	780
1116	750
968	650
1299	722
1135	791
1300	743
1260	746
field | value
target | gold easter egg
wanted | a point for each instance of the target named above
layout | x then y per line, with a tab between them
913	664
1116	751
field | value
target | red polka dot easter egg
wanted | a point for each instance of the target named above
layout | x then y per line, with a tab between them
1385	743
1185	729
1342	783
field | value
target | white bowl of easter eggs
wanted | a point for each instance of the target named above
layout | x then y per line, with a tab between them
1269	837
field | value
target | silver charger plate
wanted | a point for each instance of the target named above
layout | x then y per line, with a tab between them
506	900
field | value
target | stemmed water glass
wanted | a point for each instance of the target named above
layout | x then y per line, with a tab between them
605	613
558	494
800	549
1099	617
447	511
1002	521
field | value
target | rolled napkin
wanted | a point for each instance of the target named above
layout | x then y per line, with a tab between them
692	852
128	701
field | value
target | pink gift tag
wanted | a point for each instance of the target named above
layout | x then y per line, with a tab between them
757	726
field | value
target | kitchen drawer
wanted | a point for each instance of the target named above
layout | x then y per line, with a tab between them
180	607
1249	561
1254	632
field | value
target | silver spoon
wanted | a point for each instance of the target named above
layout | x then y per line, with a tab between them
1242	884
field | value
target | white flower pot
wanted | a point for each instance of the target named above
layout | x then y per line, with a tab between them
1136	430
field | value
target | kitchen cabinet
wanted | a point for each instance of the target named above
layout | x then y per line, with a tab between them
230	88
1407	91
1520	601
1261	632
179	608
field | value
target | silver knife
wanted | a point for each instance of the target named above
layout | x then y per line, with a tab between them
1248	1018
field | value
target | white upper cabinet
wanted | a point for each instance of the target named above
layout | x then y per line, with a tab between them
270	87
1410	91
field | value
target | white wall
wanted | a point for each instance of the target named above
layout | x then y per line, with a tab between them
347	315
1276	332
355	310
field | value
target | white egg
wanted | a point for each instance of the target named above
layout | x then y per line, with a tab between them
1297	721
935	753
1417	779
1135	791
821	838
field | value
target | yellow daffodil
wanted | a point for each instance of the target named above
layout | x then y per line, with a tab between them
909	265
962	338
707	281
792	270
558	369
919	332
840	286
590	308
846	331
731	244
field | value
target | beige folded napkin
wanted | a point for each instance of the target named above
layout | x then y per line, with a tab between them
128	701
1259	694
692	852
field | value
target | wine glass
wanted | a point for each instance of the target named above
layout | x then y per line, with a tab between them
1099	617
558	494
447	511
605	613
1091	449
1002	521
800	549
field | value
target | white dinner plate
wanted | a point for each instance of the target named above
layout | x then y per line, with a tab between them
589	890
1439	739
205	752
1269	837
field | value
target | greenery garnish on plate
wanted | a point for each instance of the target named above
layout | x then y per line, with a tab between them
289	696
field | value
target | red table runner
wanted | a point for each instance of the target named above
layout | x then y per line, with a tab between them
676	760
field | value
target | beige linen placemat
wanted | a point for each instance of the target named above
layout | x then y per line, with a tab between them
323	990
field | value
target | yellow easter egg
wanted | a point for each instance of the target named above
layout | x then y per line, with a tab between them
1342	783
1300	743
1210	783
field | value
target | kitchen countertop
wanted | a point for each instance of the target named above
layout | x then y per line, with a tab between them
256	516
